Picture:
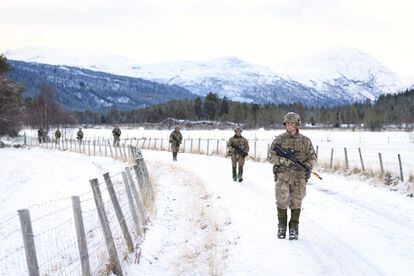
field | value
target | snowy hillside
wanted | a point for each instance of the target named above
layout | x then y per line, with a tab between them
350	72
337	76
80	89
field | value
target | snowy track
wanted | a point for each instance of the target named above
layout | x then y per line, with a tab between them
347	227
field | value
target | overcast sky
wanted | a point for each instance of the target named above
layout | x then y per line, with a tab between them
266	32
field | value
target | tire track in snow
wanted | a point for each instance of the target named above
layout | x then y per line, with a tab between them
346	261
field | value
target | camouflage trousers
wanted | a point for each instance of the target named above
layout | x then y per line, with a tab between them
290	189
116	140
175	147
237	159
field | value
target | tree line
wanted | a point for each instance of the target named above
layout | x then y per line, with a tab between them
397	109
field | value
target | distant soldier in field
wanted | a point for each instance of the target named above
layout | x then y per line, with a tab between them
58	134
116	132
175	139
40	135
237	149
291	179
79	135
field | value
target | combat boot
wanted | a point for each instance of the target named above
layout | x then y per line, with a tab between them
282	217
294	224
240	176
234	174
174	156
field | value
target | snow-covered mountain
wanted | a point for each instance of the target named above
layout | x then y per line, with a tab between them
347	73
336	76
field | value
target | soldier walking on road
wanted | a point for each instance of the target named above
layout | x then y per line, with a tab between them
175	139
58	134
238	149
290	179
116	132
79	135
40	135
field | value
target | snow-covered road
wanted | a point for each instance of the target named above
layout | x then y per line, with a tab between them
347	227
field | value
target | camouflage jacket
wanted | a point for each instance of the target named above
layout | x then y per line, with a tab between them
58	134
176	138
79	135
116	132
237	141
299	144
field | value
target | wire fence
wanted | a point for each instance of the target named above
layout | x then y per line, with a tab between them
389	161
89	234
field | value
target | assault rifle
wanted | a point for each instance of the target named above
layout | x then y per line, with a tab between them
241	151
291	156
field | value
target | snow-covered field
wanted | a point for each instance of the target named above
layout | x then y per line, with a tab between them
43	181
206	224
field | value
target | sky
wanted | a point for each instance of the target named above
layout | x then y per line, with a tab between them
267	32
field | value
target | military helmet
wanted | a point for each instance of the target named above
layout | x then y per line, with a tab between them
291	117
238	129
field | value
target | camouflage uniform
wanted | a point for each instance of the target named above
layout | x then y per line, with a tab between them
116	132
58	134
290	188
40	135
237	158
79	135
175	139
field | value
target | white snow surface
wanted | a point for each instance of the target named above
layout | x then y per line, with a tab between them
347	226
206	224
31	176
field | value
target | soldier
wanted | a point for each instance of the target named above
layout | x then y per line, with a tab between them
58	134
116	132
175	139
40	135
238	149
290	179
79	135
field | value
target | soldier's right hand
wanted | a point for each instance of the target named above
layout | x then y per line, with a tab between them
285	162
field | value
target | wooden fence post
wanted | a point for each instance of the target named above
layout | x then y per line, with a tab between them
109	241
380	161
137	197
110	149
191	145
131	205
362	161
208	146
118	212
401	170
199	142
255	153
125	155
346	159
217	147
80	233
28	241
331	162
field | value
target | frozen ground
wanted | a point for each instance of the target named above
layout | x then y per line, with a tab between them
206	224
347	227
